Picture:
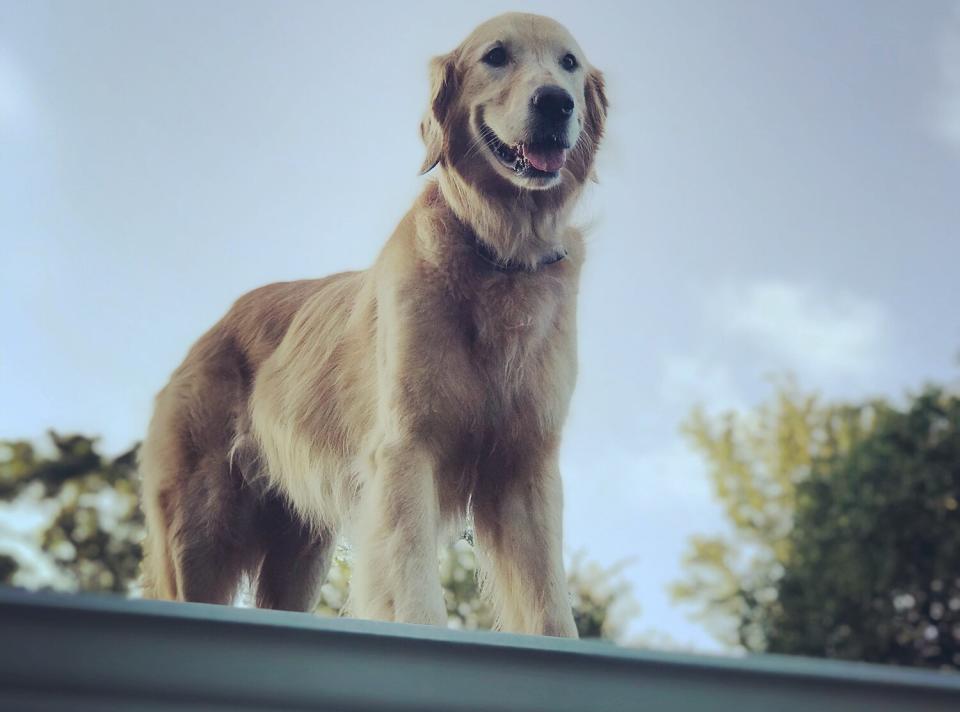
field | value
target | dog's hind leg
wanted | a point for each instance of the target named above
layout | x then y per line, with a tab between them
296	559
208	572
213	545
158	572
158	576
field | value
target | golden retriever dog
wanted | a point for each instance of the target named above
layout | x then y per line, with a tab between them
390	405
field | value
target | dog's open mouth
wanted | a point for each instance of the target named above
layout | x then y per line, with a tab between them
543	157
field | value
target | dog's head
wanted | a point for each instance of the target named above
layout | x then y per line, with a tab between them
516	102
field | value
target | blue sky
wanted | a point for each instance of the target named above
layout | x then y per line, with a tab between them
780	192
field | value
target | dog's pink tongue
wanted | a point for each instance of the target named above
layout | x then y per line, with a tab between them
546	159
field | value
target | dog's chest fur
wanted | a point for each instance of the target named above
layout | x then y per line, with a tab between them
497	360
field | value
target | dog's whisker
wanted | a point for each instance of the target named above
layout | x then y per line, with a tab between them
478	142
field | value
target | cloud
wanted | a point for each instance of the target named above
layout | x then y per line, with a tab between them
947	117
820	334
688	380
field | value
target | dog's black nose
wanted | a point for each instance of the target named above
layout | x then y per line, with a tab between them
552	103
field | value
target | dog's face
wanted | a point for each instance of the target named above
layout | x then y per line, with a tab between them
517	99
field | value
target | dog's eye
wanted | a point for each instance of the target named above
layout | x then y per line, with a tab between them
569	62
497	57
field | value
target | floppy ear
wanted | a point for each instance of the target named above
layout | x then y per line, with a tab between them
442	90
596	113
596	104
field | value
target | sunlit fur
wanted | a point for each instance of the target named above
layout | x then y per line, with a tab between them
390	404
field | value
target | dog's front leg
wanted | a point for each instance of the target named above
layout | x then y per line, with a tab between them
396	575
520	541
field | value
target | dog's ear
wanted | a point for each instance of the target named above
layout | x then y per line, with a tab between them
596	113
442	91
596	104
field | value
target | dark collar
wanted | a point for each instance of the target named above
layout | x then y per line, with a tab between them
490	257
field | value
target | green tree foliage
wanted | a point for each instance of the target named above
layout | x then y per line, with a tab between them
874	571
845	531
92	527
91	536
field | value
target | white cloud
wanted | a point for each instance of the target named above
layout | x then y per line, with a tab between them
690	380
820	334
947	118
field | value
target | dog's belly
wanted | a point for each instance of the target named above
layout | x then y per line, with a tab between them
311	404
320	484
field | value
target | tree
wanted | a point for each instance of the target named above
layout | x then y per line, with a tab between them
91	538
874	566
845	535
755	461
91	534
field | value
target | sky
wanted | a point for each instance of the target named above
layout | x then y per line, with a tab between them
779	193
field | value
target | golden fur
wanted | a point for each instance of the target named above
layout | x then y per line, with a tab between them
388	404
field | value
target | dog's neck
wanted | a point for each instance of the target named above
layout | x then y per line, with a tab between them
520	229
